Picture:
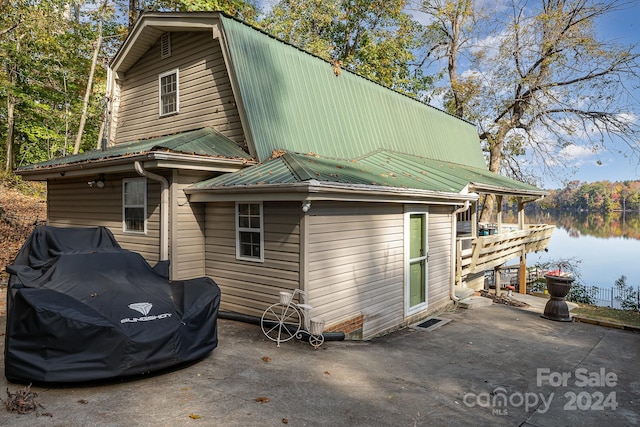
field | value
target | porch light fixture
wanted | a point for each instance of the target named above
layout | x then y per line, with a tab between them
99	182
306	205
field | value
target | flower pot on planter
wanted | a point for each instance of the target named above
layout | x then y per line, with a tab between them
558	287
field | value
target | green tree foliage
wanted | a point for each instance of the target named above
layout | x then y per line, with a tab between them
601	196
582	294
628	296
374	38
45	52
245	10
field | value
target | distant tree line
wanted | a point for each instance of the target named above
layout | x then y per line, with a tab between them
600	196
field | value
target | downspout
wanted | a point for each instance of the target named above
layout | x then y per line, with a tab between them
454	228
164	208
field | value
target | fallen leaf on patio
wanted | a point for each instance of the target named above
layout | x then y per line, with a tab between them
327	373
22	401
266	359
194	416
185	388
285	421
262	399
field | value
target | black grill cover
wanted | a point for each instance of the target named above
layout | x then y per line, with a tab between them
81	308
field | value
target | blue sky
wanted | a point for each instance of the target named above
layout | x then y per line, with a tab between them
582	164
622	26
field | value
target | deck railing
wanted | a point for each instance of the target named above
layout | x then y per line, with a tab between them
487	252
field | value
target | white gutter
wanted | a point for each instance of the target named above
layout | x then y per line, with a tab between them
164	208
454	229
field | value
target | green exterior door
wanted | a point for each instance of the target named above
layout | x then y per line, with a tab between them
418	255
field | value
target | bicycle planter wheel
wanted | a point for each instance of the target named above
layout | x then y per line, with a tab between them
280	322
316	340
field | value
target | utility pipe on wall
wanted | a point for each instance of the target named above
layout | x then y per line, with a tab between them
454	230
164	208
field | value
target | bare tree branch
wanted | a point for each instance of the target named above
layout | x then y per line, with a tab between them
8	30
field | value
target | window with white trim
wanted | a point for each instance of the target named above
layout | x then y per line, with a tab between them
134	205
249	232
169	93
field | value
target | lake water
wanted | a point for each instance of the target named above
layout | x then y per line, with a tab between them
605	246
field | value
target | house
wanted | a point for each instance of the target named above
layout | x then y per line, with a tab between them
237	156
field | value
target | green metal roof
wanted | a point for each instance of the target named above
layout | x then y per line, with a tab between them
294	102
203	142
381	168
452	173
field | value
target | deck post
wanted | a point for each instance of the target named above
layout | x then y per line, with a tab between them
523	255
458	262
499	219
474	219
520	214
523	272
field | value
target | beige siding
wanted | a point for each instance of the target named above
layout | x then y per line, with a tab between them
439	256
205	92
355	263
72	203
249	287
187	229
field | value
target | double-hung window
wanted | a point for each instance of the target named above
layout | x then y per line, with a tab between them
249	232
169	93
134	205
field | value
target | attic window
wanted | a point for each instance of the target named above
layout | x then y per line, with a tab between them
169	93
165	45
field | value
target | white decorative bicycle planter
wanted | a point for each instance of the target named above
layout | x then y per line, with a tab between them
284	320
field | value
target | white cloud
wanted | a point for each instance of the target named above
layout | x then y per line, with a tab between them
577	153
489	45
628	118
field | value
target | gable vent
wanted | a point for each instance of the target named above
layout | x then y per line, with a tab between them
165	45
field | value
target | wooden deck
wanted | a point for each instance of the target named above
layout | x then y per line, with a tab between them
488	252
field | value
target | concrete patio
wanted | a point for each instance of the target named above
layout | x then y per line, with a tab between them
496	365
